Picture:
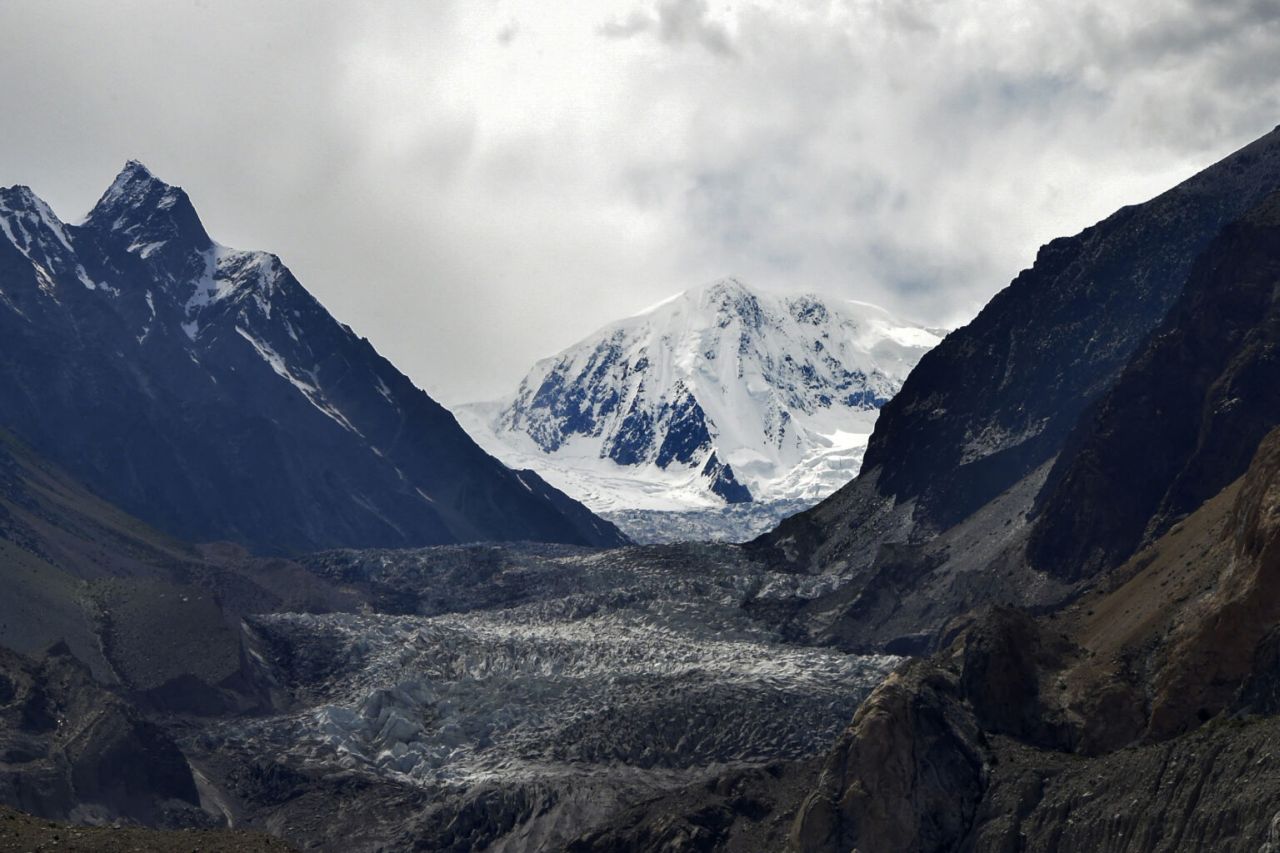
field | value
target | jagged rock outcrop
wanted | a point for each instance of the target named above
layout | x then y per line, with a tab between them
739	812
907	775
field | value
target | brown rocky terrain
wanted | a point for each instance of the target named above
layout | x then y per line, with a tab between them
1137	718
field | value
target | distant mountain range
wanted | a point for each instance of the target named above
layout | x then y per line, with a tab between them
723	394
204	390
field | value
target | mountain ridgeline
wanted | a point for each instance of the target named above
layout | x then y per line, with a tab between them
722	394
983	478
204	390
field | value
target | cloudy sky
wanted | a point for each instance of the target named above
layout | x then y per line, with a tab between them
475	185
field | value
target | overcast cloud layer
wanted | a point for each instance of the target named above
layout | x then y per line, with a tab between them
475	185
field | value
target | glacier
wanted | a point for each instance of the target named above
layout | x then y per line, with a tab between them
540	689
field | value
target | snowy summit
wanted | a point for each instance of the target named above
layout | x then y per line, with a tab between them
721	394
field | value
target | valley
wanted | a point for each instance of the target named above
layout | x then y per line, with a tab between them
529	697
257	581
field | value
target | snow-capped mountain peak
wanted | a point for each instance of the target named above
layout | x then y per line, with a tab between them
721	393
205	390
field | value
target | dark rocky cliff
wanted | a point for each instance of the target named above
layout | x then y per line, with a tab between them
964	465
1182	420
1137	719
998	397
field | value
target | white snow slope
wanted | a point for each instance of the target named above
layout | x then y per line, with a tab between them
784	389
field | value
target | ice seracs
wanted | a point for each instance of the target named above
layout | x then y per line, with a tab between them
721	394
574	683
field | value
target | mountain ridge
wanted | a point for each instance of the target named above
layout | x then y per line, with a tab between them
941	513
204	390
721	394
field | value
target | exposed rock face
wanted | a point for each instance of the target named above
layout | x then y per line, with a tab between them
72	749
1013	738
740	812
1056	401
722	482
907	775
1004	656
205	391
1182	420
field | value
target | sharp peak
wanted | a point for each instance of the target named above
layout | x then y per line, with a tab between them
21	191
137	195
134	174
20	198
136	167
728	282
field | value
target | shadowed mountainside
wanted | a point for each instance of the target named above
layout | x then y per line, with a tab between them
1158	691
204	390
939	520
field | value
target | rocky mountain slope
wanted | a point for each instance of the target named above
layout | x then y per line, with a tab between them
106	623
1182	420
959	464
203	390
720	395
1140	718
76	570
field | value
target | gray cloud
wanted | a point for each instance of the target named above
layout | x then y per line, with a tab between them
632	25
473	186
508	32
675	22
